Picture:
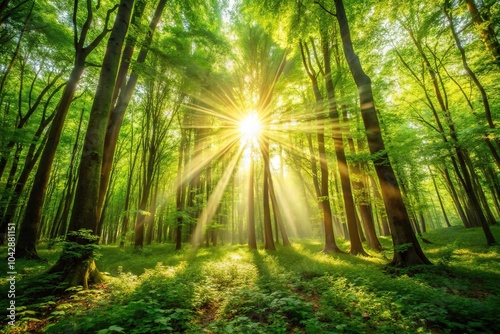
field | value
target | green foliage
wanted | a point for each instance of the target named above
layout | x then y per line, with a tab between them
84	246
251	309
294	290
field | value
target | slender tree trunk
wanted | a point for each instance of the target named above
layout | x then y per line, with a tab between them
32	156
480	193
10	180
241	211
439	198
142	215
268	229
61	223
385	231
208	193
455	198
252	241
493	183
126	215
402	233
151	218
179	200
277	213
330	244
465	174
314	172
27	233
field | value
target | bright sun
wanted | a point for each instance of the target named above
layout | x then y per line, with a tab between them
250	127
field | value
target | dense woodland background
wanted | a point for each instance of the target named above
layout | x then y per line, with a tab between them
126	123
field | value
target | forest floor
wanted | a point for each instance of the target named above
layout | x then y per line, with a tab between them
230	289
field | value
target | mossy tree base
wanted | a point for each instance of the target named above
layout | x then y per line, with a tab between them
76	265
82	273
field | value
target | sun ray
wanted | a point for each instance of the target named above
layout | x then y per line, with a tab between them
214	200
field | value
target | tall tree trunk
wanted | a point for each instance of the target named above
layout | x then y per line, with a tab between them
87	190
123	100
385	230
82	270
208	193
32	217
337	134
314	172
179	193
30	224
359	185
480	193
402	233
34	152
142	215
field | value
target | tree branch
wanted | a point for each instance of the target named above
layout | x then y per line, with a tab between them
326	10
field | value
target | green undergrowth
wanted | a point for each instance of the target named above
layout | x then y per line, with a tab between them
230	289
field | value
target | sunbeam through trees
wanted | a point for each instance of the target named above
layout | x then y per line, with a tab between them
264	134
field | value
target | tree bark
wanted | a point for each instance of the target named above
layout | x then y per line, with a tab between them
87	190
84	215
360	189
338	140
123	100
34	206
402	233
32	218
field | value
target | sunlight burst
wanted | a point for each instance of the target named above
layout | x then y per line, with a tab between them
250	127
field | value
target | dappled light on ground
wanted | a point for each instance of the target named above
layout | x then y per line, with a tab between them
295	289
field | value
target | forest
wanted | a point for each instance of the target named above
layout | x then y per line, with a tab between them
250	166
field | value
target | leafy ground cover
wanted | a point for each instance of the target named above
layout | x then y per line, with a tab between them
230	289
